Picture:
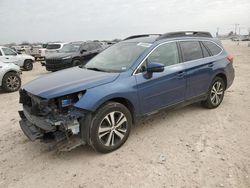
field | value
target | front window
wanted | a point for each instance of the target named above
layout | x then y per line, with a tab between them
8	51
117	58
166	54
67	48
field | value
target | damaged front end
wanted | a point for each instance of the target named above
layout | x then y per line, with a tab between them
56	121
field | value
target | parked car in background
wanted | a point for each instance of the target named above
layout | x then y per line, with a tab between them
53	48
8	55
97	104
10	79
49	49
41	53
34	51
72	54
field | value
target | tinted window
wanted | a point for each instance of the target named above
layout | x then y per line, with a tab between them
93	46
53	46
167	54
191	50
213	48
204	50
85	47
98	45
0	53
8	51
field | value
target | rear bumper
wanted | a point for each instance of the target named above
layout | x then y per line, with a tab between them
230	77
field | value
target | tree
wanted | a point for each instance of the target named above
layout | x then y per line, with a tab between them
25	43
231	33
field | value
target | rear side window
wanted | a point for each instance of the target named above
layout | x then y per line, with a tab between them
204	50
213	48
191	50
0	53
53	46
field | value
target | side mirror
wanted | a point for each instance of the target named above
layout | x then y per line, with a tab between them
155	67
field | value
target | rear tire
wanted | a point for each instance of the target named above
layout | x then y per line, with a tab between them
215	94
11	82
110	127
28	65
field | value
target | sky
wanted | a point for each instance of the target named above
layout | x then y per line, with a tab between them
75	20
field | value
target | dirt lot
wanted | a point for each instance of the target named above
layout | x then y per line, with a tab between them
188	147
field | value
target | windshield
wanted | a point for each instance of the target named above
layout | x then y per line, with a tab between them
117	58
70	48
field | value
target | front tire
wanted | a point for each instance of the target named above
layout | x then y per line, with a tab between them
110	127
28	65
215	94
11	82
76	62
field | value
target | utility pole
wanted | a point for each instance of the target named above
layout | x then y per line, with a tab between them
217	33
235	28
239	34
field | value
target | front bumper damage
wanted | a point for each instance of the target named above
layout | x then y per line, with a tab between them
61	131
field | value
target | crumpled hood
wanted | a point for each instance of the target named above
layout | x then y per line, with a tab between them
67	81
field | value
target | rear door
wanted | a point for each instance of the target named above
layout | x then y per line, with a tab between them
197	66
165	88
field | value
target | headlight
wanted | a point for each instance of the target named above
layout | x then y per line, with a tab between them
68	57
65	102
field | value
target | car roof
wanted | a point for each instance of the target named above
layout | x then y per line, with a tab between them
180	35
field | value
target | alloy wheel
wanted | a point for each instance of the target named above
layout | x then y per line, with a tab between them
112	128
216	94
12	82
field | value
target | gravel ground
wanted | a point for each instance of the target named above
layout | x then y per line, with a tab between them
188	147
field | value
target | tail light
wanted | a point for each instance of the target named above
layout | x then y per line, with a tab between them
230	58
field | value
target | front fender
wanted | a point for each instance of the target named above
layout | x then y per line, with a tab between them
122	88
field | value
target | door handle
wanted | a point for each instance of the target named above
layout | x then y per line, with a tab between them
210	64
180	74
6	58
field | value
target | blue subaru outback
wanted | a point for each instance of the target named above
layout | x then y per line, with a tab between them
97	104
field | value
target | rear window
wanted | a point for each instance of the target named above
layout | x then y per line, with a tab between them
213	48
191	50
53	46
204	50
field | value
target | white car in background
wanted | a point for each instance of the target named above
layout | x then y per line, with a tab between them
10	79
50	48
8	55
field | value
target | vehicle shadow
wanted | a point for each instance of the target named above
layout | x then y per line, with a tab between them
146	123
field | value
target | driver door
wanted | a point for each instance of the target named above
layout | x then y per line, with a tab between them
165	88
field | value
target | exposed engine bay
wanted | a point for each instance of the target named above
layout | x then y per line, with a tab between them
55	121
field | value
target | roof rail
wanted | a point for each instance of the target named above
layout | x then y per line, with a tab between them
185	34
139	36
